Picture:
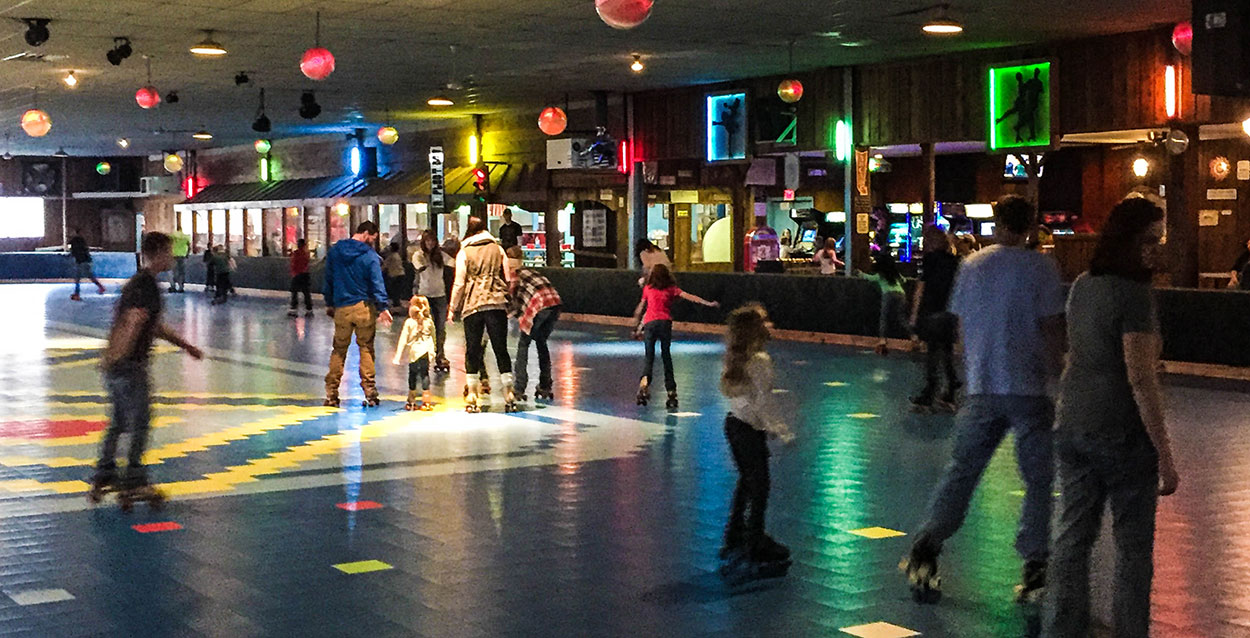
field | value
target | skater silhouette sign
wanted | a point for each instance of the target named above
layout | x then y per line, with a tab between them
726	127
1019	110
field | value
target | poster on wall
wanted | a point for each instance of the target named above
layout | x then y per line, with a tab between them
726	127
438	192
595	228
1020	106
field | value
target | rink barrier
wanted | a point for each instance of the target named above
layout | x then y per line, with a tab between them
1198	326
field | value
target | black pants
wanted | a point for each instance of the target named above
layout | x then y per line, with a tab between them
419	372
395	289
749	447
660	330
937	330
494	323
223	286
301	283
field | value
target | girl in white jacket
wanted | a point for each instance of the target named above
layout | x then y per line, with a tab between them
417	341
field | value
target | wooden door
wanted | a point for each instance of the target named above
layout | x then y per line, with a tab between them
679	214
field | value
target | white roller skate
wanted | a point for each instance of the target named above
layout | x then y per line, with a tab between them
509	393
471	389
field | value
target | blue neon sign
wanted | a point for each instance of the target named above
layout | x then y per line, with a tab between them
726	127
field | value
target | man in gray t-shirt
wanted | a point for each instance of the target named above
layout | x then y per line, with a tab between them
1010	305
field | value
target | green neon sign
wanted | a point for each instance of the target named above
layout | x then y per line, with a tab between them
1019	107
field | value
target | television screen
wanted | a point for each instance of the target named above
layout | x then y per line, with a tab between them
809	235
987	228
1013	168
979	211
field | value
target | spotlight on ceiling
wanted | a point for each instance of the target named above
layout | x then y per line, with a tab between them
202	135
941	23
172	97
637	66
208	47
120	51
123	142
308	107
70	80
241	78
36	30
440	100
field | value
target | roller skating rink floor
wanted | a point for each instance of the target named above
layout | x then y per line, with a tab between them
584	516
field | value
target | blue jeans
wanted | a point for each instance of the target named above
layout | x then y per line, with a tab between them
660	330
130	393
979	427
544	323
438	312
1092	473
83	270
178	281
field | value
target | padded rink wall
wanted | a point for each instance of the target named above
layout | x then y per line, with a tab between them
1199	326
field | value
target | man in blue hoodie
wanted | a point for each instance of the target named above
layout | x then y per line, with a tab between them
356	298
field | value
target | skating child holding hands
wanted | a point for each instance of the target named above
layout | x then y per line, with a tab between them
417	341
747	382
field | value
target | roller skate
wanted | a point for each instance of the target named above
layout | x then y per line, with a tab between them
924	403
308	313
371	402
99	289
644	392
671	403
767	559
882	349
141	493
471	397
485	384
292	313
427	403
543	394
509	394
411	404
442	366
921	567
75	297
331	402
104	482
1032	583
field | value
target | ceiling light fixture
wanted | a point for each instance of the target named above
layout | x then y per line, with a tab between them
60	152
308	107
208	47
120	51
70	80
262	123
36	31
172	97
637	66
123	142
440	100
241	78
202	135
1245	125
942	24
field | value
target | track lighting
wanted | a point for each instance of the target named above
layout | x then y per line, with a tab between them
36	30
208	47
308	107
120	51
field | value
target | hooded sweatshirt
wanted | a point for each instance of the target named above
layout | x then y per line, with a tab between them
480	282
354	274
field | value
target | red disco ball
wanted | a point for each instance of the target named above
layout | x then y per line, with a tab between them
36	123
552	120
1183	37
317	63
790	91
147	97
624	14
388	135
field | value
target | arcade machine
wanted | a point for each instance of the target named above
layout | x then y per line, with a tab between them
814	225
906	225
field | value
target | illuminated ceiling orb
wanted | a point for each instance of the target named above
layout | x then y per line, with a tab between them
624	14
104	168
317	63
147	97
790	91
388	135
1183	37
262	146
552	120
173	163
36	123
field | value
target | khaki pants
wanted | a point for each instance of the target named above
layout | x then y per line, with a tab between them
361	321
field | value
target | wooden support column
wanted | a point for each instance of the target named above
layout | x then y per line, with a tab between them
1184	197
929	159
743	218
551	222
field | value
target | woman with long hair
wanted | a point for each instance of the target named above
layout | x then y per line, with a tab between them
1111	442
657	325
747	381
649	255
429	261
827	257
893	298
480	297
933	324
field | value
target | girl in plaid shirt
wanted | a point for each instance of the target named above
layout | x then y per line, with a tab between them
536	304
